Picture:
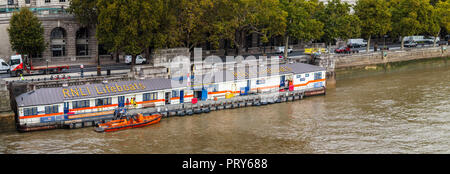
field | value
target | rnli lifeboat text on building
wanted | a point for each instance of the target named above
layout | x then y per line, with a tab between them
106	89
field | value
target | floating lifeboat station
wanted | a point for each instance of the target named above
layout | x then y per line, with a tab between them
93	104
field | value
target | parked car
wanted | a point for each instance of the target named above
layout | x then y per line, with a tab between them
281	50
345	50
410	43
356	43
442	42
139	59
4	67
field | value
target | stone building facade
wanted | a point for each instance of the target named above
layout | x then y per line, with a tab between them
33	3
67	41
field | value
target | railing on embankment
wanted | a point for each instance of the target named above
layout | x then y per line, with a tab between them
388	56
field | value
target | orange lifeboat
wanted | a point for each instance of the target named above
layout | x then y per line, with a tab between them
128	122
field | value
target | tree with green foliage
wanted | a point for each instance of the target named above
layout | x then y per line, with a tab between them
85	11
234	20
189	17
302	21
26	34
438	19
166	34
443	12
375	18
338	22
128	25
410	17
434	2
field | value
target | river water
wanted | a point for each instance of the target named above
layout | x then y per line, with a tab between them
404	109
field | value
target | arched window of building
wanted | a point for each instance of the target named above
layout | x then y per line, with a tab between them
58	42
82	47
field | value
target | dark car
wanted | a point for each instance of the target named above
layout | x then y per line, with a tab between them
442	42
355	45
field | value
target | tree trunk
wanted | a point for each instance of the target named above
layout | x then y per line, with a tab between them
99	68
29	60
403	42
147	54
133	62
226	47
117	56
264	51
435	38
286	46
368	44
329	48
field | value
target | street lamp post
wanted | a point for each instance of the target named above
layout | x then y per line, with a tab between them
46	71
82	70
99	71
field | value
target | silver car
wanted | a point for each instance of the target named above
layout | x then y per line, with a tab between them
139	59
410	44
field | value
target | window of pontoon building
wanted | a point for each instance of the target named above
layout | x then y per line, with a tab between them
175	93
10	2
47	1
27	1
318	76
51	109
80	104
82	48
103	101
150	96
215	88
30	111
58	42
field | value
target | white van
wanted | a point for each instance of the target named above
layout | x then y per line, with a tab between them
4	67
355	43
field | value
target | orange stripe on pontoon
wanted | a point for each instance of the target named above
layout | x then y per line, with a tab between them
267	87
321	80
151	101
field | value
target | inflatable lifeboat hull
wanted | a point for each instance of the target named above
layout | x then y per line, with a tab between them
121	124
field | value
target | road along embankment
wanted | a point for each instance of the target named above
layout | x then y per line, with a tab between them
358	60
337	62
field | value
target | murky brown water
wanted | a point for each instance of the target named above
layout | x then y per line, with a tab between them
404	111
